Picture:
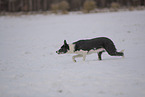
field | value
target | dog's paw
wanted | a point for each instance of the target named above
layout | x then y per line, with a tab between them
74	60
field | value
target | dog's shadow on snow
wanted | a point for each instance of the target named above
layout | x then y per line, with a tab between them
105	59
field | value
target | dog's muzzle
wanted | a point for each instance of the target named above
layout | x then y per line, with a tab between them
57	52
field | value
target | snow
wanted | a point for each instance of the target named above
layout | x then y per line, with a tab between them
29	66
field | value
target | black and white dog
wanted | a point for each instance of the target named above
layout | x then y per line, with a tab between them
89	46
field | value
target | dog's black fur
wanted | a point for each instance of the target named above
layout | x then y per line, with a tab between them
103	43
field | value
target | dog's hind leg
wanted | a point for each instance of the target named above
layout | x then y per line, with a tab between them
99	55
76	56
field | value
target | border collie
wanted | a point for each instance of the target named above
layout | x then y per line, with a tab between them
89	46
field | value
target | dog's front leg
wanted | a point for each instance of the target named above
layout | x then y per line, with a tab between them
76	56
84	56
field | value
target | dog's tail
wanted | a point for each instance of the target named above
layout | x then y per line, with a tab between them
111	49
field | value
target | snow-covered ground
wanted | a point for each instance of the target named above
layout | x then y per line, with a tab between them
29	66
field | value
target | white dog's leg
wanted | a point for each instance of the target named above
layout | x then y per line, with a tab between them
84	56
76	56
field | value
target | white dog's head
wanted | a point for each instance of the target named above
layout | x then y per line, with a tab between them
64	48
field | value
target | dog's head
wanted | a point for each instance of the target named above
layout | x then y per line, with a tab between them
64	48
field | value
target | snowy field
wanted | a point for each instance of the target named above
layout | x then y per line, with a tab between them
29	66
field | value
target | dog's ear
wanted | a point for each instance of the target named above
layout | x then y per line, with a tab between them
65	43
